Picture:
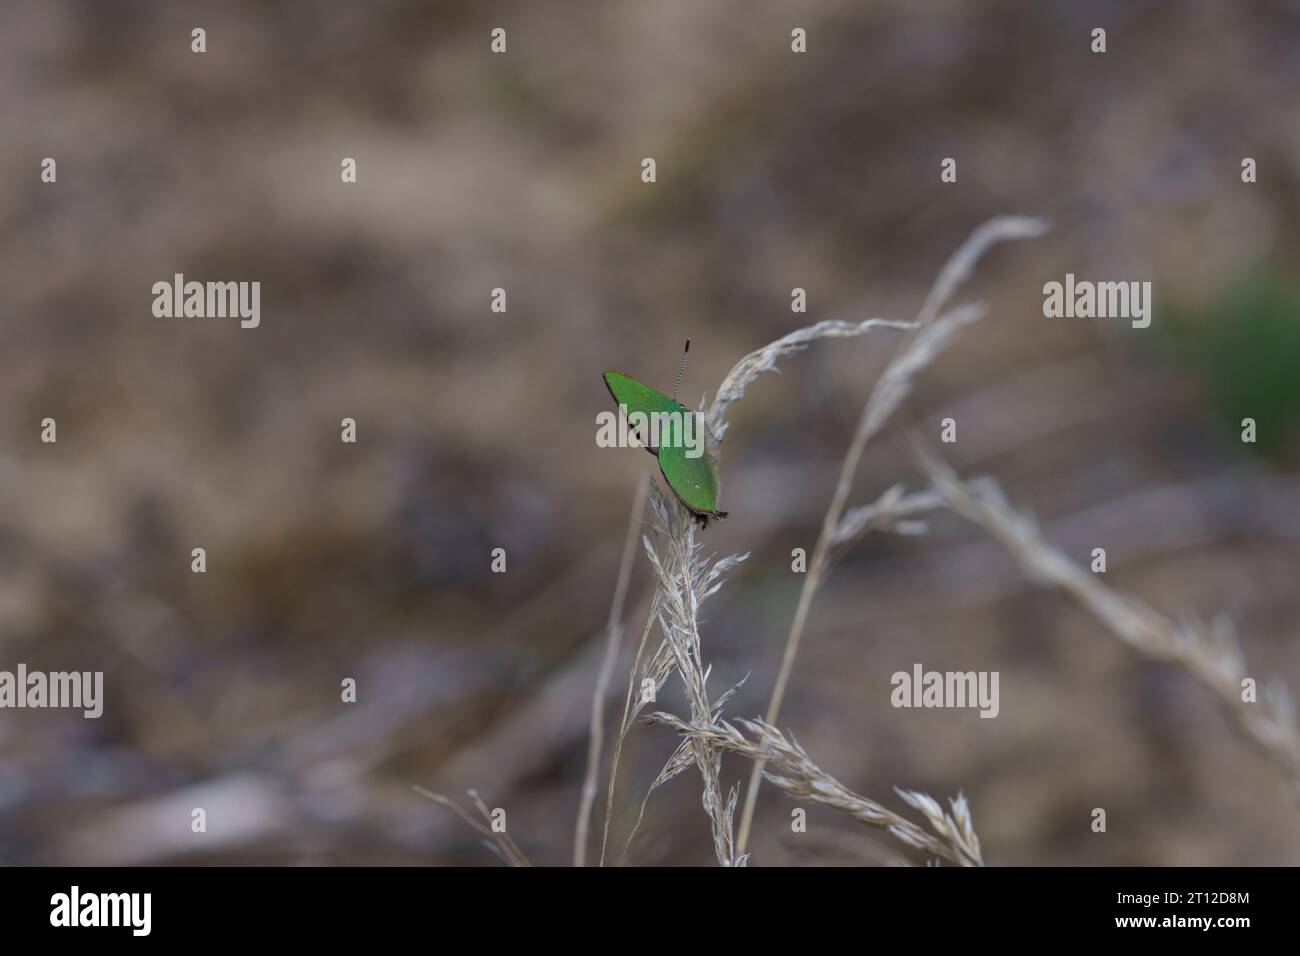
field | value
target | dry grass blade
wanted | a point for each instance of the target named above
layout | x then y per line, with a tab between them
500	843
765	359
1209	653
685	580
680	761
962	263
614	630
893	511
788	767
896	381
630	711
917	351
645	680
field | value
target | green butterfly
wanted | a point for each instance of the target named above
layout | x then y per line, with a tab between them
691	479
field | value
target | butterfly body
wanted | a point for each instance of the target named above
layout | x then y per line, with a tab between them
690	478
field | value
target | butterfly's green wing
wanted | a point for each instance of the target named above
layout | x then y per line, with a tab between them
637	397
691	479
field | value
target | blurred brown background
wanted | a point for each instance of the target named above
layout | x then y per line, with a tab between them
476	429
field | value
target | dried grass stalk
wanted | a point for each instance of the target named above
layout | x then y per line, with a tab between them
785	764
765	359
919	350
685	580
1210	653
631	707
613	634
501	844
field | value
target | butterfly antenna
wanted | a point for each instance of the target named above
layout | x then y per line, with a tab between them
681	369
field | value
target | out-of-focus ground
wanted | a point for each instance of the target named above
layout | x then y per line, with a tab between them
476	429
